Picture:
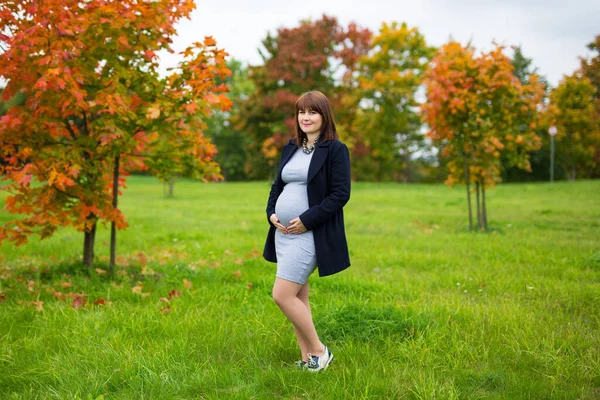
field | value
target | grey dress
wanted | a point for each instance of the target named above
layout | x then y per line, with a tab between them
296	256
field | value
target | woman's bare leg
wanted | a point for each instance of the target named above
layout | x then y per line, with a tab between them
303	296
287	296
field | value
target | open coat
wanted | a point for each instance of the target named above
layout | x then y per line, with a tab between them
328	187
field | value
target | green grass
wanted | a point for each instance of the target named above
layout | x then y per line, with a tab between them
428	310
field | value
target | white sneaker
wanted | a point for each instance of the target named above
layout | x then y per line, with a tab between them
316	364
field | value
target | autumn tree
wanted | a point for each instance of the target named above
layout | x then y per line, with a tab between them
17	100
296	60
477	110
578	131
388	124
96	107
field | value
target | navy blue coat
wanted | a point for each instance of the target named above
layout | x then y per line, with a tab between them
328	188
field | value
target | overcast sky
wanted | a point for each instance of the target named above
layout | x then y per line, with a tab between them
552	32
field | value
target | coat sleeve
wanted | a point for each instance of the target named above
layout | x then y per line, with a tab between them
339	193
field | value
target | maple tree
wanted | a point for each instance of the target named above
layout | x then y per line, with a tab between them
477	111
387	126
97	108
17	100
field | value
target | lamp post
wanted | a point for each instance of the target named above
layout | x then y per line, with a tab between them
552	131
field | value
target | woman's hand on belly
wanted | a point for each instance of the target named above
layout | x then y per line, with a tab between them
296	227
277	224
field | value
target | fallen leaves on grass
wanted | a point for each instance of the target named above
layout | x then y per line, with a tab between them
166	310
187	283
237	273
2	297
39	305
102	302
427	229
78	302
174	293
148	271
255	253
137	289
141	257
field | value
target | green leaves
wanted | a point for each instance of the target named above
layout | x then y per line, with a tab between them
387	123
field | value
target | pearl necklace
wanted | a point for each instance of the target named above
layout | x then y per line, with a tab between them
305	148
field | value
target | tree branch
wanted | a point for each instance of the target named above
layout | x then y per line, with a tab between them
70	129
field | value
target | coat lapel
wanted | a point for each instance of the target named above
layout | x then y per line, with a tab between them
317	160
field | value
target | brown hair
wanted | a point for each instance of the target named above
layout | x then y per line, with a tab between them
316	101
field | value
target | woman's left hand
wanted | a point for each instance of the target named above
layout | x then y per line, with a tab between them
296	227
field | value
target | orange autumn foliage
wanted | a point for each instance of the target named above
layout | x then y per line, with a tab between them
90	74
478	111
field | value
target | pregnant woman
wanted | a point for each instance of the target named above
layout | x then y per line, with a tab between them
307	221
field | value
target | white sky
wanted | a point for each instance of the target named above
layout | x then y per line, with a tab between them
552	32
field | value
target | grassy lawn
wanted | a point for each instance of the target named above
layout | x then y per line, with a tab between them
428	310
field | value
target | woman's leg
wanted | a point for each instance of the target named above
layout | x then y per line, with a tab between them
303	296
285	294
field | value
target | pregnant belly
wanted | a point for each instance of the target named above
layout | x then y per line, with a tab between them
292	202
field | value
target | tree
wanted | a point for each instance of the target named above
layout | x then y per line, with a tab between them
578	137
231	142
96	106
17	100
296	60
388	123
477	110
539	159
590	68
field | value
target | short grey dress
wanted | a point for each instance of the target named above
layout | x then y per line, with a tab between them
296	256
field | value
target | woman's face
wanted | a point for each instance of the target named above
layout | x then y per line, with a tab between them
310	121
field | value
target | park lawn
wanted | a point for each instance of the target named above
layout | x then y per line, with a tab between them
428	310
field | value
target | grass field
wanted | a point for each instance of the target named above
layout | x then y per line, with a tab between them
428	310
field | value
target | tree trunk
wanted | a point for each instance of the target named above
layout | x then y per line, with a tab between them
89	238
484	208
468	194
171	186
478	199
113	228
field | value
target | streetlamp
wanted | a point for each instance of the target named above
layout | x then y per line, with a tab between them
552	131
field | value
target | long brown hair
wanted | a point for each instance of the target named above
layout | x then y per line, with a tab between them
316	101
